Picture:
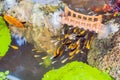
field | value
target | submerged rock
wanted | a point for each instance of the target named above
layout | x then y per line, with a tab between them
9	4
22	11
1	7
110	61
49	2
41	24
104	43
108	29
98	49
105	52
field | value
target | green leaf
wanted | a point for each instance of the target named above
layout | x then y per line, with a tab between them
3	75
76	71
7	72
5	38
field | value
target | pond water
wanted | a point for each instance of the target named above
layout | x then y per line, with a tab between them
23	64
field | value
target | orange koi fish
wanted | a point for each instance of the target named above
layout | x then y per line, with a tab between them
107	8
14	47
97	9
13	21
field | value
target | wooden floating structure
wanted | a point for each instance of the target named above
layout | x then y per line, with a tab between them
75	19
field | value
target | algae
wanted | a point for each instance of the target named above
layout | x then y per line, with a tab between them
5	38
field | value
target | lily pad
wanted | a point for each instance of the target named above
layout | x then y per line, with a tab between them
5	37
76	71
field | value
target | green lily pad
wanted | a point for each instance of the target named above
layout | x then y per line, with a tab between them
76	71
5	37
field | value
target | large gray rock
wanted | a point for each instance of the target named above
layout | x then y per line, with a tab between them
86	3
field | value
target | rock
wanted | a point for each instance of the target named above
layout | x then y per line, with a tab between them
86	3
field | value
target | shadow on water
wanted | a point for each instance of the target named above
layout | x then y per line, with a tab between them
21	63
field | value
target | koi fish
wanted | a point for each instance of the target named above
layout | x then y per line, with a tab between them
72	46
97	9
13	21
89	40
36	56
105	8
76	50
63	61
14	47
59	51
44	57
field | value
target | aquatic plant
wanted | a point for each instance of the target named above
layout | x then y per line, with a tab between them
76	71
47	62
5	38
3	75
